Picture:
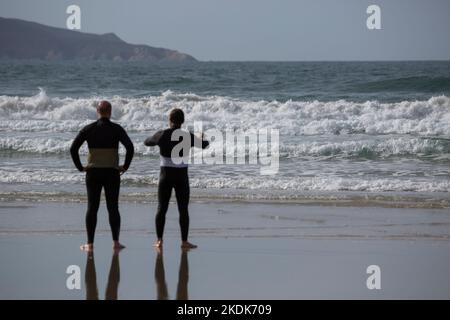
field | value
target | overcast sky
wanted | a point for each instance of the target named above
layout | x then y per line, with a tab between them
260	29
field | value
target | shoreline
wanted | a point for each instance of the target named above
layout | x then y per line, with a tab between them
240	220
343	199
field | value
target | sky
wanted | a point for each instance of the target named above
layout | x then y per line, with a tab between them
260	30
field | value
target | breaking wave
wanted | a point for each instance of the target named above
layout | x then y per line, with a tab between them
44	113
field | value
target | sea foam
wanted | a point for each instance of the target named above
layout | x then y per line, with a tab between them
289	184
44	113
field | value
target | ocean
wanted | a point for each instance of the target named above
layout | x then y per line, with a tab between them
351	131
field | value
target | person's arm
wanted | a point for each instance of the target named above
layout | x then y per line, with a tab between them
126	141
197	142
153	140
75	147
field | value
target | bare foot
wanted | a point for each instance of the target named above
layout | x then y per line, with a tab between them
158	243
88	247
117	246
188	245
159	250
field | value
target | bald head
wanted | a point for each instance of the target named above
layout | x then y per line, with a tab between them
104	109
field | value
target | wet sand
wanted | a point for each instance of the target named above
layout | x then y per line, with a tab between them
246	251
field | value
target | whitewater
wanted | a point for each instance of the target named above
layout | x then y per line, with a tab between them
324	146
343	134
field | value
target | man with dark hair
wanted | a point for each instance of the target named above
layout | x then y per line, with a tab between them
174	173
176	116
102	170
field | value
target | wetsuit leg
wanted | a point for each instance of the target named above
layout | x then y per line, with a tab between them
182	193
112	189
94	189
164	192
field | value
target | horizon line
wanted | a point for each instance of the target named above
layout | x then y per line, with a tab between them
330	60
232	61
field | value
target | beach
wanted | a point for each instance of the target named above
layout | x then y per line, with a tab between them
360	153
246	251
303	147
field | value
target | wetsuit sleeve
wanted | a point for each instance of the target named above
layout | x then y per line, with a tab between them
153	140
196	141
126	141
76	145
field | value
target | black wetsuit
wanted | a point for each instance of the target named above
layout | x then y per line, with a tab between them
173	178
103	137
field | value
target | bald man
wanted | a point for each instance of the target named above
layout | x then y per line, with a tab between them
102	170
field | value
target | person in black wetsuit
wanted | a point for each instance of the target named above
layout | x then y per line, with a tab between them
102	169
174	173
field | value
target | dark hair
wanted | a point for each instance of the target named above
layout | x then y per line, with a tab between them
104	107
176	116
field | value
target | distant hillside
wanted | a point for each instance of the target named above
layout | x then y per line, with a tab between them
21	39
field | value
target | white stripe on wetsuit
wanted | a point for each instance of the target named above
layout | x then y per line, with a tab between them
179	162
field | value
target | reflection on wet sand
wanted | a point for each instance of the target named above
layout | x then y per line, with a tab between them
160	278
183	277
91	278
